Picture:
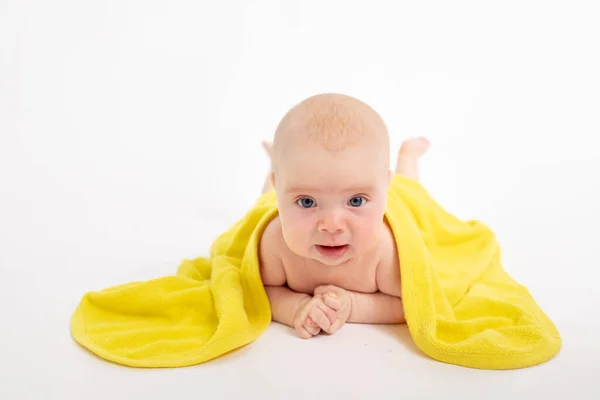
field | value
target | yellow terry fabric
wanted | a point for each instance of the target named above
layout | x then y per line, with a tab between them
461	306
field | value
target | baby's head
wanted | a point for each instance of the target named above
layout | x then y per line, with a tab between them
331	175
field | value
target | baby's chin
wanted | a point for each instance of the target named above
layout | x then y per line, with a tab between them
333	263
332	256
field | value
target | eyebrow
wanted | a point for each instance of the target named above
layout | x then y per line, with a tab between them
309	189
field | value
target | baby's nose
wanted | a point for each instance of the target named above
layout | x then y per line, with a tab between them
332	222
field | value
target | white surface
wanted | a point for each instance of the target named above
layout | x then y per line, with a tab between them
116	119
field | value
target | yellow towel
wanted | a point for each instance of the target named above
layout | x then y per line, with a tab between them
461	305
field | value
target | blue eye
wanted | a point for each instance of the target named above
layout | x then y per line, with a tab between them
357	201
306	203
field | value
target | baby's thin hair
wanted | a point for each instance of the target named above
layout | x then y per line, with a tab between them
334	121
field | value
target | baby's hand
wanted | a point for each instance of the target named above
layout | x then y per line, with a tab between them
338	299
312	316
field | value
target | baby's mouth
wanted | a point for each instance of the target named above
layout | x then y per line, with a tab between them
332	251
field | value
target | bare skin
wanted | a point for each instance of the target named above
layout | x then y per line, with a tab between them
301	293
407	165
313	287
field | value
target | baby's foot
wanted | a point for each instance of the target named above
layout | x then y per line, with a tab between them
409	153
268	146
414	148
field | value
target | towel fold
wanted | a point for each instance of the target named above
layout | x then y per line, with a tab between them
461	306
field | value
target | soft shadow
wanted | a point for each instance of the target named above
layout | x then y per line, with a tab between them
401	333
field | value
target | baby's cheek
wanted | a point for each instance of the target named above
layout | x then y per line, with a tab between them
297	237
369	234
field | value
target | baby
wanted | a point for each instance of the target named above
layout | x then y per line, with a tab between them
329	257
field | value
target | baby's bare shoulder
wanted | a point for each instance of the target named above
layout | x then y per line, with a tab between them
269	254
388	269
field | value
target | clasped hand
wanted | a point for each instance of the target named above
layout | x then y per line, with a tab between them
327	310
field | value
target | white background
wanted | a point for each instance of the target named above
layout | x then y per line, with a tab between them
120	121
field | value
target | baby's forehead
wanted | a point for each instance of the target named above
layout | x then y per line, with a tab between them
314	177
354	157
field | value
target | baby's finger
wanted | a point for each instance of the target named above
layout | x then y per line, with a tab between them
312	329
331	301
321	290
320	318
303	332
336	326
329	312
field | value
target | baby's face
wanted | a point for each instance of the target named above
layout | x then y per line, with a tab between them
331	206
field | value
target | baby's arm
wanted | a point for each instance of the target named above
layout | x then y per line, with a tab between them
284	301
384	306
376	308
